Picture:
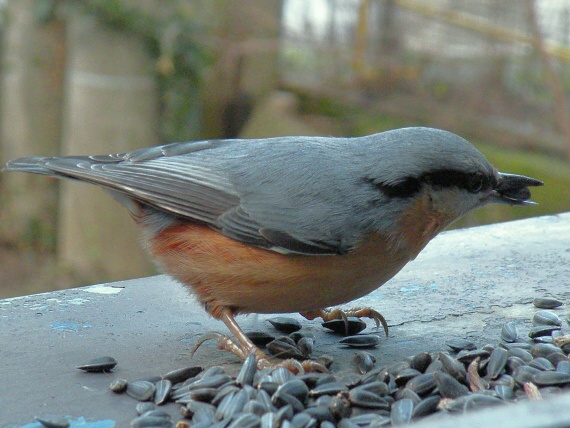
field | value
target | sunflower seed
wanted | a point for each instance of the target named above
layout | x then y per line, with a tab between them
284	350
422	384
245	421
509	332
546	318
542	363
549	378
543	349
361	341
330	388
448	386
461	345
367	399
497	362
259	338
402	412
162	393
352	326
285	324
281	399
99	365
53	421
295	387
141	390
150	421
340	407
306	346
453	367
377	387
118	385
405	375
421	361
563	367
504	392
521	353
180	375
473	401
427	406
466	357
524	374
144	407
247	371
364	361
546	303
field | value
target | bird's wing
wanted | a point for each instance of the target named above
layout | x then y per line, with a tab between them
169	183
174	179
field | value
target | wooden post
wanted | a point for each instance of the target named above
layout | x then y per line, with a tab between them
33	58
247	41
110	107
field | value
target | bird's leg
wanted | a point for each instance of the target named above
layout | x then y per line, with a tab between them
245	347
338	313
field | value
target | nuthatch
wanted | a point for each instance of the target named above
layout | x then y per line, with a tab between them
292	224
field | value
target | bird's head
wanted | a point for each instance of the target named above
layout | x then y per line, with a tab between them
444	172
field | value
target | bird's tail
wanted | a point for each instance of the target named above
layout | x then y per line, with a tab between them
33	164
71	167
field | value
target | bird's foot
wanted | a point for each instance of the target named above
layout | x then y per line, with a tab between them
338	313
226	343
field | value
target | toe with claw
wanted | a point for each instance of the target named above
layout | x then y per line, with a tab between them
225	343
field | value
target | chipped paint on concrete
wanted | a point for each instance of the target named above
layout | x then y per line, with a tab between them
80	422
70	326
103	289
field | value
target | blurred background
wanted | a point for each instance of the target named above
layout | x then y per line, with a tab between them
109	76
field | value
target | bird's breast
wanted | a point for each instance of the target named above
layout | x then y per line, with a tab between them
225	272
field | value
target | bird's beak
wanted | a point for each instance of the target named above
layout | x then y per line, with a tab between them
512	189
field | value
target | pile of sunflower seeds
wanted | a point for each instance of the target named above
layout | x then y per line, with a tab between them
521	367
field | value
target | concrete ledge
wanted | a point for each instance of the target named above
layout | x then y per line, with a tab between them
466	283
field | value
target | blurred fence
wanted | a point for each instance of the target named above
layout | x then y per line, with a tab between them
489	67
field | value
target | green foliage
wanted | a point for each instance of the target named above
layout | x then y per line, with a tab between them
180	60
309	104
169	34
354	119
45	10
365	124
179	109
39	235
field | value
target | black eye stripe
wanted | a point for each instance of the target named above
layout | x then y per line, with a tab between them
472	182
402	189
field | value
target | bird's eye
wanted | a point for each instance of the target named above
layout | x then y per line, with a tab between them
475	183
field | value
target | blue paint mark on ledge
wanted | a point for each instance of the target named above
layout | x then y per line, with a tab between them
411	289
69	326
73	423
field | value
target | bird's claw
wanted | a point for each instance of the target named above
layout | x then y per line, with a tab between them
226	343
375	315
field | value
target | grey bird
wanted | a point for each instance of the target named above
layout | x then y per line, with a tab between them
292	224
